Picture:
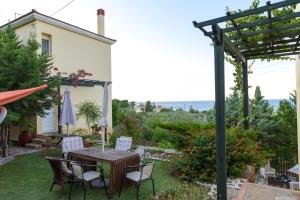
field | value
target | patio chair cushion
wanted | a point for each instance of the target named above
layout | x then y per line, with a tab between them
135	176
123	144
91	175
65	169
71	144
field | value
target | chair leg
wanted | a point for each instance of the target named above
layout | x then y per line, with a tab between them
51	187
90	184
137	191
71	190
62	188
153	187
121	186
84	189
105	187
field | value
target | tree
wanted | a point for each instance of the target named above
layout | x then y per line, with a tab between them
90	111
132	104
149	107
262	118
166	110
192	110
22	66
117	112
285	143
233	106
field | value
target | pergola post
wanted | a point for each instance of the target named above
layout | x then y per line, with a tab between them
220	113
245	95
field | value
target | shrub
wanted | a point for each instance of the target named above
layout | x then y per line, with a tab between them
129	126
178	134
168	136
199	159
90	111
185	191
165	145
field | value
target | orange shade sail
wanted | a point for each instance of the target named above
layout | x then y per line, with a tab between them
10	96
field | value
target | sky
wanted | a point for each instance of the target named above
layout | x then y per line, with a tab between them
159	55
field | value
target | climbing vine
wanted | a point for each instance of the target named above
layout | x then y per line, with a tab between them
262	38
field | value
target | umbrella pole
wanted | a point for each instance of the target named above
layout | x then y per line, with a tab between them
103	141
67	128
105	133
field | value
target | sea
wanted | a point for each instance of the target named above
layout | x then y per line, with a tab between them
201	105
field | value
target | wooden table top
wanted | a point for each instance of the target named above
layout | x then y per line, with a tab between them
108	155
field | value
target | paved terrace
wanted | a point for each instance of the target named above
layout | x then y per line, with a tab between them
251	191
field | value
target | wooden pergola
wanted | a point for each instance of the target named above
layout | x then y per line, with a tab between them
83	82
266	37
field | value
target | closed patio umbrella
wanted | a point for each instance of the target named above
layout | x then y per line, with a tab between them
67	115
104	120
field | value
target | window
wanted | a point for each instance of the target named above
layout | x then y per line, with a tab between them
46	44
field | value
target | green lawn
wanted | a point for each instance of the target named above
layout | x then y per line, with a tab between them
29	177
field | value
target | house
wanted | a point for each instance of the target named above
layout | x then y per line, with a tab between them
140	108
71	48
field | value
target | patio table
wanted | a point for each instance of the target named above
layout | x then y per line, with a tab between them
118	160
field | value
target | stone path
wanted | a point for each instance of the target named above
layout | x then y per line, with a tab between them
15	151
264	192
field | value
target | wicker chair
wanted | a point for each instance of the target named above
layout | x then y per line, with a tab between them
144	173
61	174
80	175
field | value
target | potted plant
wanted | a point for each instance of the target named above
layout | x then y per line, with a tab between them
27	133
95	129
90	111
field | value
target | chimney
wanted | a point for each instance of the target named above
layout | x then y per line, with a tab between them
100	21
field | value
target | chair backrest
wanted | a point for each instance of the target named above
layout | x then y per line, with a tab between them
141	152
57	169
126	137
77	170
147	170
123	144
71	144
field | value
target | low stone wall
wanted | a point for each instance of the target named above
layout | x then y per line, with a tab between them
156	153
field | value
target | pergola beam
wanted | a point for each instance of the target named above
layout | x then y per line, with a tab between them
258	23
273	56
232	48
264	49
291	34
246	13
270	52
244	41
297	43
270	31
287	42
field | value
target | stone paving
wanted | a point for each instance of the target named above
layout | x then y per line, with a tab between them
264	192
15	151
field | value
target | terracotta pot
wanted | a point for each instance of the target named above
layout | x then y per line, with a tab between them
25	137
